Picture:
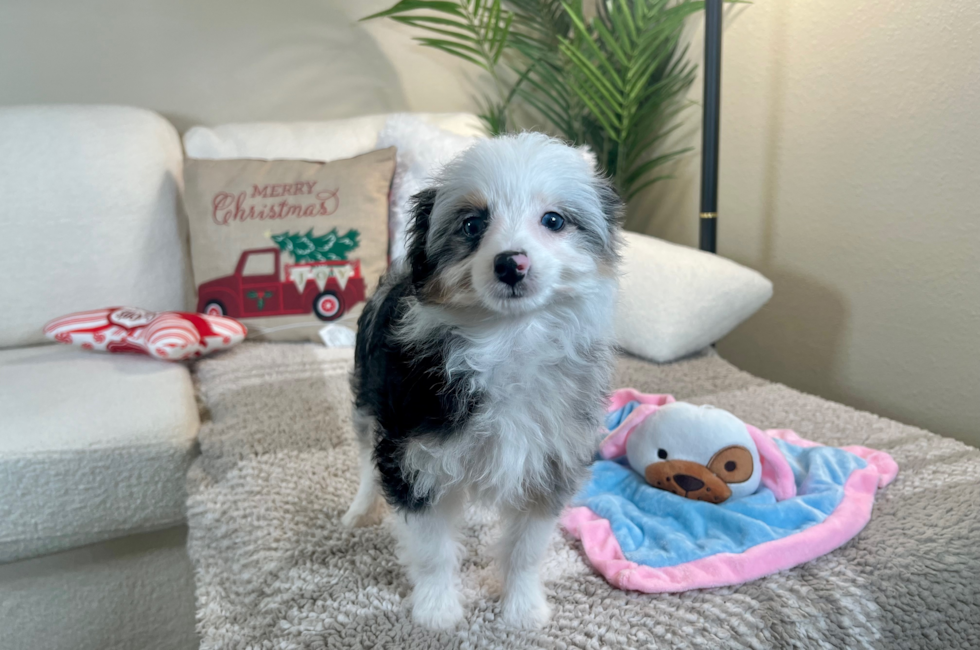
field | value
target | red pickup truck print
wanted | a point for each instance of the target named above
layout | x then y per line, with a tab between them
261	287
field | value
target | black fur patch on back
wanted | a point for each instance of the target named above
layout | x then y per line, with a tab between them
405	390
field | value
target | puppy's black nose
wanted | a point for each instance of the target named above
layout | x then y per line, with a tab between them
688	483
510	267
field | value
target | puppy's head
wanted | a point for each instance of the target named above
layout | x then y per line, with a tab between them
513	224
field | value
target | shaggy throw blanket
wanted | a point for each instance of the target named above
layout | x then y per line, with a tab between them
275	569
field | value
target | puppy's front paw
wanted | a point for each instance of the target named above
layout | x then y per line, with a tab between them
436	609
526	607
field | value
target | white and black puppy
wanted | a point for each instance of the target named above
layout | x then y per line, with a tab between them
483	363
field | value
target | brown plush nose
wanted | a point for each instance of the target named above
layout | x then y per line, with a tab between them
688	483
510	267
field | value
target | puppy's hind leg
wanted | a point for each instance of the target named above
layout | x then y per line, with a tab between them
366	509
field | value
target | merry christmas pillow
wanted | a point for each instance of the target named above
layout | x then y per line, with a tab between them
286	245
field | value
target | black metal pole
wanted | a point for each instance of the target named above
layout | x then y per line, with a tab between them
709	131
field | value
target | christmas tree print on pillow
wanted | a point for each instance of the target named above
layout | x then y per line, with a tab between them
312	248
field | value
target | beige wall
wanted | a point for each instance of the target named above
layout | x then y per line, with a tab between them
850	176
849	168
214	61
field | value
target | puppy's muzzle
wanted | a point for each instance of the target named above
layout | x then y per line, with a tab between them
511	267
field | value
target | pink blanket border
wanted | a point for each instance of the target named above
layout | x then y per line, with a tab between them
849	517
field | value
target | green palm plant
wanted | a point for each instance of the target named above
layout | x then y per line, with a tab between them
614	81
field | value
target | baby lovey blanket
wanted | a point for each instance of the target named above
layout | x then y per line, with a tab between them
812	499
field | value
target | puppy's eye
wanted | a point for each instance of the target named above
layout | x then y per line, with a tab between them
553	221
662	454
473	226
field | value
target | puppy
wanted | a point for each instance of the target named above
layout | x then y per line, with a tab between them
482	363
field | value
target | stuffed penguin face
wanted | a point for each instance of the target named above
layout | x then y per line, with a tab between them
698	452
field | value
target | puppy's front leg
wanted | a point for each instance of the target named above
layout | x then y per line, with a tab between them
430	551
525	541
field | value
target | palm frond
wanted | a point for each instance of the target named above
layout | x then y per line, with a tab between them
614	82
625	69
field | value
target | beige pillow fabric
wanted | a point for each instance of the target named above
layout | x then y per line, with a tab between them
286	245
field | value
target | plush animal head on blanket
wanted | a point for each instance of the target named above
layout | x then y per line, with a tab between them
698	452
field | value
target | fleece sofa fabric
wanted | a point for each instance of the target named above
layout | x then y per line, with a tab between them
274	567
89	214
675	300
131	593
92	446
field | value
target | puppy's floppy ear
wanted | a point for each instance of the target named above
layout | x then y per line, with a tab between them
418	231
614	210
612	204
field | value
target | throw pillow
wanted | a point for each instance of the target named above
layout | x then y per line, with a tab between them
321	141
168	335
440	137
423	149
675	300
285	244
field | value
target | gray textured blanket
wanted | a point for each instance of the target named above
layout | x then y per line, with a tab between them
276	570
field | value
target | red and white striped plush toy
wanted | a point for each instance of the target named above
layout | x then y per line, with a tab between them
167	335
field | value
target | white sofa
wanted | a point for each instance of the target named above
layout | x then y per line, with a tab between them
93	448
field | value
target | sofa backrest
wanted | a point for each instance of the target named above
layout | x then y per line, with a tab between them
88	214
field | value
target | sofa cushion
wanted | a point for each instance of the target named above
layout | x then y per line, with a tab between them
92	446
89	214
